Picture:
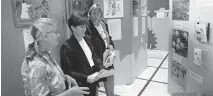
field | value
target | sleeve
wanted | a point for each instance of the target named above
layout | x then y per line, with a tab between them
98	63
36	81
88	30
67	64
111	42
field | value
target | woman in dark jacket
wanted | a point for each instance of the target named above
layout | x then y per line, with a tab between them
77	56
98	32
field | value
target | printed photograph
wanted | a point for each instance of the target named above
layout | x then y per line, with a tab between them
178	73
180	10
202	32
180	42
135	7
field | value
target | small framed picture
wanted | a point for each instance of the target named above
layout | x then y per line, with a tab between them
26	11
202	33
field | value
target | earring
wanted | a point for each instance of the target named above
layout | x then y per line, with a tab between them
45	37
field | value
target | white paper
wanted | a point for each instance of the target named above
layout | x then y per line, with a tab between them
196	77
24	14
95	74
143	7
114	26
27	38
178	25
143	25
204	2
135	26
160	15
198	56
113	8
106	73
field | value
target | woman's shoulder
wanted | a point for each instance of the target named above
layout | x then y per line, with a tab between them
32	71
34	64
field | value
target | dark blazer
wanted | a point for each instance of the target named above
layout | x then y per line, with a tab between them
74	63
96	39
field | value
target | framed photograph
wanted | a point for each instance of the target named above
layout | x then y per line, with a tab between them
26	11
180	42
202	32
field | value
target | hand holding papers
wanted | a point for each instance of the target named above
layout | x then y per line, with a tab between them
101	74
92	78
105	73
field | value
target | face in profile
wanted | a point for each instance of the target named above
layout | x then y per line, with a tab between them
79	30
52	37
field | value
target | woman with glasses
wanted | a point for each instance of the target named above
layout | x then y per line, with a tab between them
41	74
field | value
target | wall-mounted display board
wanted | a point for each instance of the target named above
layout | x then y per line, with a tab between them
199	61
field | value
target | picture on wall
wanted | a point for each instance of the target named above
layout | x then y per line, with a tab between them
81	6
136	7
113	8
178	73
198	58
26	11
180	10
180	42
144	7
202	32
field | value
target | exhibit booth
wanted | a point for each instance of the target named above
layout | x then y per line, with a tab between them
190	48
128	32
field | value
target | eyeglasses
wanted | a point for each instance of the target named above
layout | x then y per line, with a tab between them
56	33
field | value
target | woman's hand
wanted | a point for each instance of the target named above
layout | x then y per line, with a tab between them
76	91
70	81
106	54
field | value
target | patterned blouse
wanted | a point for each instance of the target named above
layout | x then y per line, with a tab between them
42	76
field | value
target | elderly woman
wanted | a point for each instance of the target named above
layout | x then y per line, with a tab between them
97	30
41	74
